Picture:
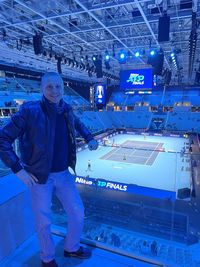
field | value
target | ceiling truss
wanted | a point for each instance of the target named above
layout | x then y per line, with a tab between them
80	28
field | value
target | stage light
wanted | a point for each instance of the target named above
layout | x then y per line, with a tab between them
94	58
152	53
82	59
71	63
67	61
82	66
137	54
122	55
174	60
107	57
75	64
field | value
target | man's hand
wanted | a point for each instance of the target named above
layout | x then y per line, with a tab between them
27	178
92	144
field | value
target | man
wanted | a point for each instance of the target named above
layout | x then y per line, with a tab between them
46	132
89	166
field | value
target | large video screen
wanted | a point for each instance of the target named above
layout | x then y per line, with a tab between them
100	94
140	79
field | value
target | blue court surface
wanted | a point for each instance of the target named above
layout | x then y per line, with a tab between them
147	161
136	152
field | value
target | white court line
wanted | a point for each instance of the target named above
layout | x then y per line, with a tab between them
152	154
112	153
132	152
135	149
131	156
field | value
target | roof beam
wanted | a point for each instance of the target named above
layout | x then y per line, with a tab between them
55	23
103	25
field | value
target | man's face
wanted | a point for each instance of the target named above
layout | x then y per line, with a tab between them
52	89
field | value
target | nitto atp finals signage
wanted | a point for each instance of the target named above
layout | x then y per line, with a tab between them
136	79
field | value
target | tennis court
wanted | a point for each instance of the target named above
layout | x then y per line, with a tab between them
135	152
147	162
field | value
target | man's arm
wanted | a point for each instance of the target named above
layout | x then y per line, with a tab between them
13	129
83	130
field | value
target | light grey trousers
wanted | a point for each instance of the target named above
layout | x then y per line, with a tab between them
66	191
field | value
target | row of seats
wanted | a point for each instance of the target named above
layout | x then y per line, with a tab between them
156	98
11	94
18	84
134	217
172	121
131	242
101	121
183	121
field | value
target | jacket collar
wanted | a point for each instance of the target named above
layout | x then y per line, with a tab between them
51	108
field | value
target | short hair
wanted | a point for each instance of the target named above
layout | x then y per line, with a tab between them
46	76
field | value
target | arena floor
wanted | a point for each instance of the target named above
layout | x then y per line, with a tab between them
139	160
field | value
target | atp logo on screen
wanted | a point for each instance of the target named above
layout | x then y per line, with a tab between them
136	79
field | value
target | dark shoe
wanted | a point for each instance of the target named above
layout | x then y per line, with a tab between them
81	253
49	264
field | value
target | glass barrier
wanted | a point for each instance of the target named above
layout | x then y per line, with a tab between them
140	194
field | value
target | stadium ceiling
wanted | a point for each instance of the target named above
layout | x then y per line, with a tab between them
79	29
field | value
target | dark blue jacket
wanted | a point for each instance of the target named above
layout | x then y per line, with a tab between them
34	125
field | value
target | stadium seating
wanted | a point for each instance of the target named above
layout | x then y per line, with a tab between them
169	98
183	121
181	118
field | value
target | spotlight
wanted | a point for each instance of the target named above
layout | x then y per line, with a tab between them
137	54
94	58
152	53
75	64
107	57
67	61
122	57
71	63
156	61
82	66
174	60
